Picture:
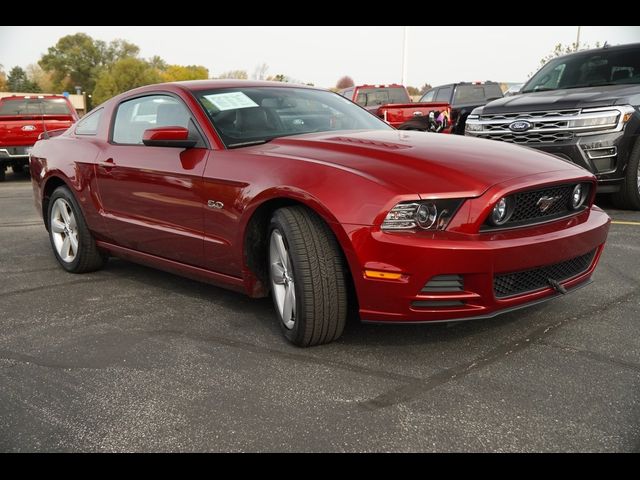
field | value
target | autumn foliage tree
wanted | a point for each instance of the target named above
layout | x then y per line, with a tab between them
125	74
345	82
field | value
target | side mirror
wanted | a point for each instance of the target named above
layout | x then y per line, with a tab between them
168	137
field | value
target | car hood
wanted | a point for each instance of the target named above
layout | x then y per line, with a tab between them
566	99
428	164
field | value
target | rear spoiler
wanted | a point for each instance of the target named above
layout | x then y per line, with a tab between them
52	133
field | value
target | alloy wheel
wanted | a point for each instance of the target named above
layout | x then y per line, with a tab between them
282	282
64	230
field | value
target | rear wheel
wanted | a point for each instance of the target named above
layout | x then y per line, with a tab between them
629	195
73	245
307	277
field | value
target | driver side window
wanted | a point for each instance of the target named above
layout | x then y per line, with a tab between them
135	116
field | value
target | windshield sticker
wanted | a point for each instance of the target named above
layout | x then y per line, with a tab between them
230	101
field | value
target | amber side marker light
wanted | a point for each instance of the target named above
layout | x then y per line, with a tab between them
383	275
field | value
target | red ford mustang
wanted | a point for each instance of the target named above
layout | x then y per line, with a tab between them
268	187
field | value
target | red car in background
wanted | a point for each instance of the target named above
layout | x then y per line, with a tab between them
23	119
274	188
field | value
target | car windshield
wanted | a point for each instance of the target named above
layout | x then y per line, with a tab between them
368	97
604	67
34	106
250	116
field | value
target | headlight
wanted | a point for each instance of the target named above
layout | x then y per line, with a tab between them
471	125
426	215
596	119
578	196
502	211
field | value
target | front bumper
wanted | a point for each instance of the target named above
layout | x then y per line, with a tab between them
475	258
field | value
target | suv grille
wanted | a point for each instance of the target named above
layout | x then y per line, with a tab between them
532	137
530	280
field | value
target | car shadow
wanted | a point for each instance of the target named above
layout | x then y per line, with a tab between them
262	310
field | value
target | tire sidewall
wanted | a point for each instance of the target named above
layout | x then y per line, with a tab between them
632	180
296	333
64	193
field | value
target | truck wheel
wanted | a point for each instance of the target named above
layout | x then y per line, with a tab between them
413	127
73	245
629	195
307	277
21	170
2	174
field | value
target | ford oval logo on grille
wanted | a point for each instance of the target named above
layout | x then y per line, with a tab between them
520	126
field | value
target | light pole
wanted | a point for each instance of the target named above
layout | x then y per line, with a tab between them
578	39
404	55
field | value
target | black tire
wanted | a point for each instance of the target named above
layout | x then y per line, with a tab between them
629	195
87	258
318	274
3	175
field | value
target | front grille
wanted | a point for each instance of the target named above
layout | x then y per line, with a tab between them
527	208
511	284
541	116
531	137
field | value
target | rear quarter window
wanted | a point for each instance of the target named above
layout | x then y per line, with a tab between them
89	124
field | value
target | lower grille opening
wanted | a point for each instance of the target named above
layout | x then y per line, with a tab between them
437	303
511	284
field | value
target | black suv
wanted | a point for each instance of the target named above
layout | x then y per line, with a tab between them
463	97
583	107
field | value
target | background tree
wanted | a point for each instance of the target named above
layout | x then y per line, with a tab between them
413	91
344	82
125	74
158	63
17	81
3	79
78	60
73	61
116	50
561	49
41	78
237	74
278	78
177	73
424	88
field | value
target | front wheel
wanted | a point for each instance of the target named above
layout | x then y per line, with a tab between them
307	277
629	195
72	242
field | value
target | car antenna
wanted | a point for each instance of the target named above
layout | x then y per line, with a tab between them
44	125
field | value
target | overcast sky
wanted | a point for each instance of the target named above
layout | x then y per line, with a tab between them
323	54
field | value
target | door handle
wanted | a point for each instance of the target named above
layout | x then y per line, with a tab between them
108	163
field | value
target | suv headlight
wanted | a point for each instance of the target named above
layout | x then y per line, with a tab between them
592	120
421	214
471	124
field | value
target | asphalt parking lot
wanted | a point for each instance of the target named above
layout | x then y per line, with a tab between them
133	359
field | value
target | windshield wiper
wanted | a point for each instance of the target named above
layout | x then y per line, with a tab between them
247	144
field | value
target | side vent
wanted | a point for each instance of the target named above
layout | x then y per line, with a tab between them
444	283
